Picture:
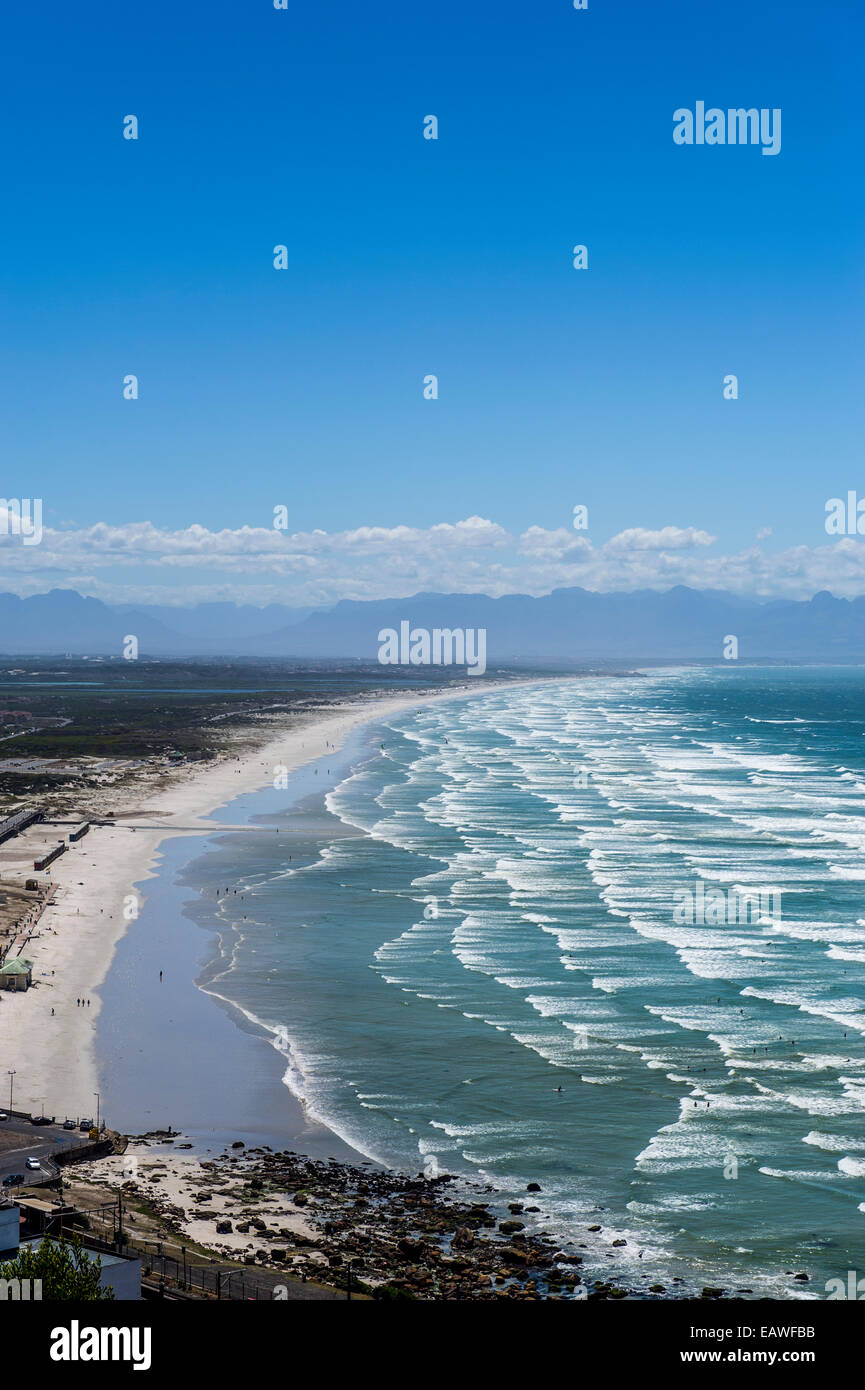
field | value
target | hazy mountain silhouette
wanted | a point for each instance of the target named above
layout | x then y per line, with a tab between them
565	628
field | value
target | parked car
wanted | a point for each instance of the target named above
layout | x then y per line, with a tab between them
85	1125
13	1180
3	1115
34	1164
40	1119
68	1124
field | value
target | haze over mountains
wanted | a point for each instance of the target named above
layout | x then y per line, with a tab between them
564	628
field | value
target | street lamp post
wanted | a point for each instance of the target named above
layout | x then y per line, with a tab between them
11	1075
96	1093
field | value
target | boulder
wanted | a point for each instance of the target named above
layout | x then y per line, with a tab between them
512	1256
464	1238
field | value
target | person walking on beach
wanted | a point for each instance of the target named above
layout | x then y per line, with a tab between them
160	977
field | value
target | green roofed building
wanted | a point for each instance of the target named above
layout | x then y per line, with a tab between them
16	973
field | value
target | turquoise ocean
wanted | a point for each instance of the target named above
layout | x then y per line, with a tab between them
464	948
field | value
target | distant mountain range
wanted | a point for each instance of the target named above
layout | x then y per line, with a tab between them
565	628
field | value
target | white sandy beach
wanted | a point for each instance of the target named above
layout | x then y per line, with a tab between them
53	1054
168	1177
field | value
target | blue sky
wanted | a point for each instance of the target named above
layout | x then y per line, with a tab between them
410	257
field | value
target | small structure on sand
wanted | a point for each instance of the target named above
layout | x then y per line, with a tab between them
16	973
52	854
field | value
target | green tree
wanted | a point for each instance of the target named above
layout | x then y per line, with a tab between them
66	1270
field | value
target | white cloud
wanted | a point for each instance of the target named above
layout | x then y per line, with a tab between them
669	538
140	562
554	545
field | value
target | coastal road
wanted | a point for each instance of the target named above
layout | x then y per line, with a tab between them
20	1140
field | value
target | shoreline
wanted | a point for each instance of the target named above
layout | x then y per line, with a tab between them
208	1065
46	1037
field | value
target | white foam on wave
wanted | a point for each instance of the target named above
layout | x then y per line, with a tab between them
832	1143
813	1103
816	1175
847	1013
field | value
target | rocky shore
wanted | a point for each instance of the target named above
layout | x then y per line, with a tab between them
392	1236
337	1225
